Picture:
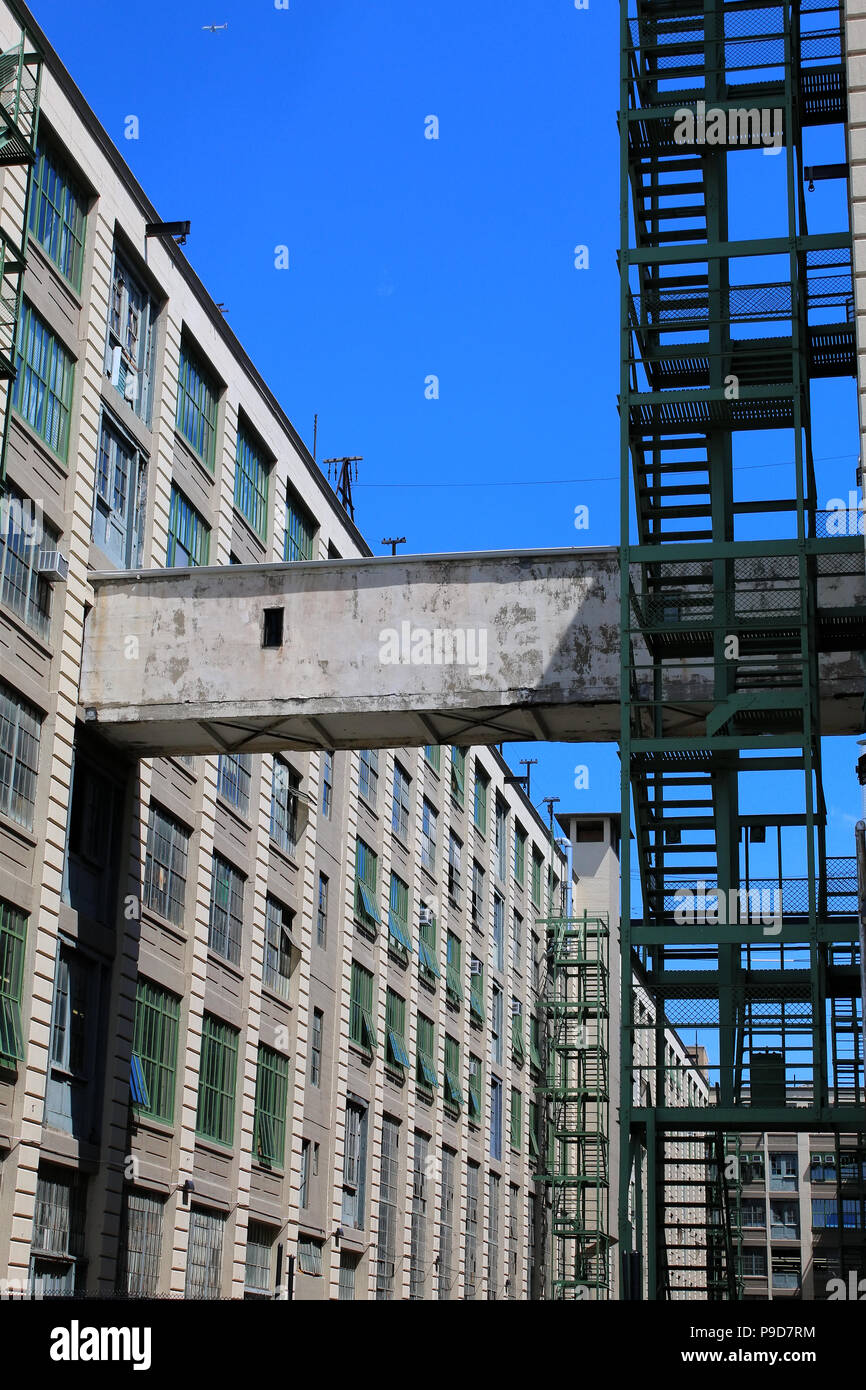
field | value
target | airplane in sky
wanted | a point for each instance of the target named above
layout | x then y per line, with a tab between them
213	28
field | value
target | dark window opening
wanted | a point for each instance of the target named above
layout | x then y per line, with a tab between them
272	630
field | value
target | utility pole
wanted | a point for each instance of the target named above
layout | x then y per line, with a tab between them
343	481
393	541
550	802
514	780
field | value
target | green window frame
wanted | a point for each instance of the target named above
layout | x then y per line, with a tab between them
157	1015
395	1018
537	862
366	871
479	804
13	936
427	943
197	398
535	1043
476	991
215	1114
252	482
398	915
300	529
453	1093
518	1043
458	775
20	734
433	754
426	1054
44	375
226	912
188	534
534	1146
57	218
362	1031
454	968
519	854
476	1110
516	1119
272	1093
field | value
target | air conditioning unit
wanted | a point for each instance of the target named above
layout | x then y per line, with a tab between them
52	566
130	387
476	968
427	917
113	364
516	1007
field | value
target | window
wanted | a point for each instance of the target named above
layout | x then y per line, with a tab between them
130	340
252	475
498	933
361	1029
285	786
400	804
22	588
215	1118
322	912
13	930
517	941
205	1254
453	1094
512	1252
368	783
476	901
278	947
197	404
316	1040
427	943
309	1255
446	1225
433	754
454	969
300	529
783	1172
366	871
42	388
58	218
470	1247
389	1179
534	1135
426	1060
752	1166
327	783
476	990
479	808
535	1045
754	1261
495	1118
57	1265
233	780
188	534
496	1024
536	963
537	863
454	873
458	775
75	1028
398	916
155	1047
226	910
20	726
516	1127
825	1213
501	840
518	1046
348	1267
395	1015
418	1219
822	1168
753	1212
475	1100
165	865
140	1244
354	1164
257	1272
429	822
493	1239
784	1221
519	853
272	1087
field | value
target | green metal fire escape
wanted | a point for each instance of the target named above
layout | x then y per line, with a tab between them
722	336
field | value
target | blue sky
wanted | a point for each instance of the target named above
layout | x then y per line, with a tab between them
412	257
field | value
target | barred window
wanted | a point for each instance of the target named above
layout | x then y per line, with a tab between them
252	476
13	929
257	1273
204	1254
389	1187
188	534
300	529
473	1174
22	588
348	1266
165	865
215	1118
284	806
272	1089
278	947
226	910
20	726
309	1255
42	389
155	1046
58	218
140	1244
197	404
233	779
446	1225
58	1215
418	1219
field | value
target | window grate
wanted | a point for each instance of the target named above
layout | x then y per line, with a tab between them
165	865
20	730
155	1045
141	1244
215	1118
226	910
205	1254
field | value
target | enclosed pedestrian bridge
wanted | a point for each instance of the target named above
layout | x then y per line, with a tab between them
469	648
